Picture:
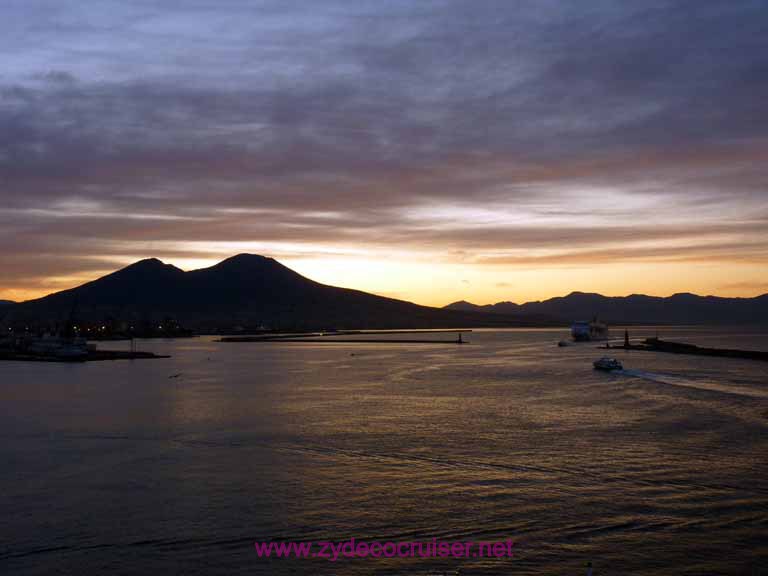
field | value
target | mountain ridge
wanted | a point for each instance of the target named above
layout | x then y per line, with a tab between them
249	291
679	308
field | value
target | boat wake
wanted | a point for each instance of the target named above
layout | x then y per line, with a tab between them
697	383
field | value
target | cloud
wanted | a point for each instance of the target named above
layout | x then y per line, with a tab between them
751	287
579	133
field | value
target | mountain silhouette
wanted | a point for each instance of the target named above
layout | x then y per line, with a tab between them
681	308
242	292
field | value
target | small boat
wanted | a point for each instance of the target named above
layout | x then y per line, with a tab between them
607	364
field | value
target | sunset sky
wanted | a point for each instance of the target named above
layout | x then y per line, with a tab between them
425	150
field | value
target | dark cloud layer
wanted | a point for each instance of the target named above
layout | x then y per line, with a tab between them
485	126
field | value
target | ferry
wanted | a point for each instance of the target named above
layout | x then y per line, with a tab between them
583	331
607	364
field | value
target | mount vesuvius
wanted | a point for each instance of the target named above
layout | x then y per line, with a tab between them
245	291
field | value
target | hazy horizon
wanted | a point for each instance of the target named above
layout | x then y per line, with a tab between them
431	152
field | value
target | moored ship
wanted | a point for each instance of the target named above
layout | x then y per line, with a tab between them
46	347
59	347
583	331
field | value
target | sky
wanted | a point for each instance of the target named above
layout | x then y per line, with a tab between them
426	150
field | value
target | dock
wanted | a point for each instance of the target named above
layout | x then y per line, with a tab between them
349	341
345	337
92	356
657	345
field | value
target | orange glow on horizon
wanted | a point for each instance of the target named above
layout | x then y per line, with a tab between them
437	283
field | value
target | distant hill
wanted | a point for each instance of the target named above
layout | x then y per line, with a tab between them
498	308
677	309
245	291
6	302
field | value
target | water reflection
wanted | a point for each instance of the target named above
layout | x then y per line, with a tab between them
508	437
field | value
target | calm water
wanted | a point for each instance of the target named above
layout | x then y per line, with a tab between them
119	468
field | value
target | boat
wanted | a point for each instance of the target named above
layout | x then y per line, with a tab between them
583	331
607	364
